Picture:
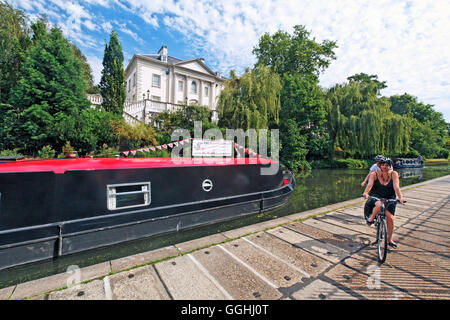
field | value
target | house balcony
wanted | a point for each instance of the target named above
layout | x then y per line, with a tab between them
145	110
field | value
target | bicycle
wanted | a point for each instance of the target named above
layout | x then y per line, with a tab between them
381	225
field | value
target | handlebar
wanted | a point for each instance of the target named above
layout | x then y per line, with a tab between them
385	200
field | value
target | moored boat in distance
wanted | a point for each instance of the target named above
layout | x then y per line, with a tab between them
400	163
50	208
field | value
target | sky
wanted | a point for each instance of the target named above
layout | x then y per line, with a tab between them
405	43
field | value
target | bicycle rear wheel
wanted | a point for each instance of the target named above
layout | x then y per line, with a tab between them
382	240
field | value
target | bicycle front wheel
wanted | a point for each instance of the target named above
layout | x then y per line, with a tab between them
382	240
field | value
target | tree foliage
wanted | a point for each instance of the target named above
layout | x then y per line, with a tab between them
294	54
428	128
361	123
50	87
298	59
14	40
112	82
304	103
184	118
87	70
48	106
250	101
132	137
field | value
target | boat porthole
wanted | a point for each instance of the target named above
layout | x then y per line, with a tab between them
207	185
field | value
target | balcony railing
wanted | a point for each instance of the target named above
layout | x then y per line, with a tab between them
143	110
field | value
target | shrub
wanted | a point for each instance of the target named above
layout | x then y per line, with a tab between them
13	152
46	152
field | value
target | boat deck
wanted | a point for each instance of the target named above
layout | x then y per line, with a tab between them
62	165
325	253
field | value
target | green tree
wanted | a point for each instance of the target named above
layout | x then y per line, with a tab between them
184	118
112	83
304	102
361	123
371	82
51	85
87	70
428	128
298	59
296	53
251	101
14	40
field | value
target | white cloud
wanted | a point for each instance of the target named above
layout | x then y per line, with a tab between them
97	67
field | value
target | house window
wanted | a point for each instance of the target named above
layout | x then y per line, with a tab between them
156	98
193	87
134	79
129	85
128	195
180	86
206	91
156	80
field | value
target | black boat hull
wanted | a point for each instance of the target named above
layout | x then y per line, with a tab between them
74	230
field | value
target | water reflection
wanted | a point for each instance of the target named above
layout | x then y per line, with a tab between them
410	173
316	188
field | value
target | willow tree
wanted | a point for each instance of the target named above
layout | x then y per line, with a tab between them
428	127
250	101
360	120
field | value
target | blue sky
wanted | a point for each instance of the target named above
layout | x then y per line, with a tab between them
405	43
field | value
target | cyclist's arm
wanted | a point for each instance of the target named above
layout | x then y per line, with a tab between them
365	180
370	184
396	181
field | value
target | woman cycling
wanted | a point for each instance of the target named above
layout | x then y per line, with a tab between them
383	184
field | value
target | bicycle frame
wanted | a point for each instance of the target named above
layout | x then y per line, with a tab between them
381	225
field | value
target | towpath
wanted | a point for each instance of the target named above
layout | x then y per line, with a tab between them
325	253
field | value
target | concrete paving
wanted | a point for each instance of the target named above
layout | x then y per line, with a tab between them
325	253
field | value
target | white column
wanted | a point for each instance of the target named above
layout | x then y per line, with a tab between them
200	92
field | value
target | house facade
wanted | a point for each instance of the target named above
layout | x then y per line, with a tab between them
158	82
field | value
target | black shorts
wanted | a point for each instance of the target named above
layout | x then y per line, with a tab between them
370	204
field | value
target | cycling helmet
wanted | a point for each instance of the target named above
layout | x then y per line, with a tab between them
378	157
386	160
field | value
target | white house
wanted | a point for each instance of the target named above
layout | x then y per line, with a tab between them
157	82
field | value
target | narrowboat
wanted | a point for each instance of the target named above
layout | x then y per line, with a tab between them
51	208
400	163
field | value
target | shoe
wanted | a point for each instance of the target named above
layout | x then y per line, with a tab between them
393	245
369	223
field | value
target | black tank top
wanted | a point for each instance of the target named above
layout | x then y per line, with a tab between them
380	190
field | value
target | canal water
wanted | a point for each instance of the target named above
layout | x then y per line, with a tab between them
315	188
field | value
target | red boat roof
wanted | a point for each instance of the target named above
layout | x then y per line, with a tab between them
63	165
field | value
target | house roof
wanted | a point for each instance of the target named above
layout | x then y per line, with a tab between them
172	61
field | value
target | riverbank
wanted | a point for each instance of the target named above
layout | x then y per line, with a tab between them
437	161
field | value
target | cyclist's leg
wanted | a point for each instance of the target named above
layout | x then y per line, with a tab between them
375	211
390	225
